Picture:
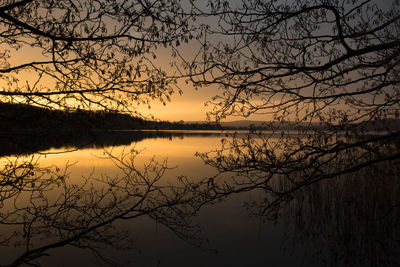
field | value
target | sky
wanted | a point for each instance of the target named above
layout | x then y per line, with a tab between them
190	106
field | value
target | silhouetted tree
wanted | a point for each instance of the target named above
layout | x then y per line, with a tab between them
330	68
91	53
329	61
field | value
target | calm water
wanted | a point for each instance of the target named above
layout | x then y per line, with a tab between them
229	235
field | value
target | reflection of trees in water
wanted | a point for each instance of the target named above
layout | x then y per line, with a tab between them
19	143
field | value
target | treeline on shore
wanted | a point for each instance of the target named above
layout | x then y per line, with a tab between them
26	129
17	116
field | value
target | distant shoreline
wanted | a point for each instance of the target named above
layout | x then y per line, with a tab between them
27	129
19	117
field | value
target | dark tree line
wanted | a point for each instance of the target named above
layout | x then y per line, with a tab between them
26	129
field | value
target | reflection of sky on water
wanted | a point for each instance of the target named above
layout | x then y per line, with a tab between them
179	152
239	239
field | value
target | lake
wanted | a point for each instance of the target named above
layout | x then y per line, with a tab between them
139	204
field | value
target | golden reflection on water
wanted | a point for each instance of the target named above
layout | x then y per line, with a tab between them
179	153
310	216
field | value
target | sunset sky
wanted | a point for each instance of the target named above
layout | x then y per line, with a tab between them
190	106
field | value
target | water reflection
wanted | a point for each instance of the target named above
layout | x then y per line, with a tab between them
23	143
133	202
47	212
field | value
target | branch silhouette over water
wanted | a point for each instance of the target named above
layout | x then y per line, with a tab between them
339	193
46	210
